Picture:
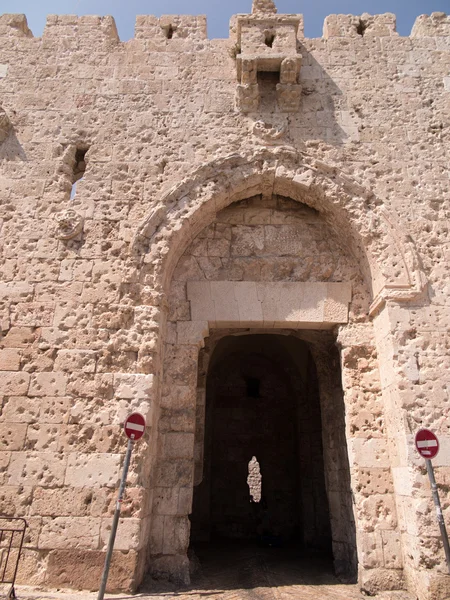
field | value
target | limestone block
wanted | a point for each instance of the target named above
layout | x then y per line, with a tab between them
4	462
178	445
368	453
62	502
48	384
372	481
136	387
91	438
43	437
75	270
178	397
15	500
68	315
128	534
377	512
12	436
392	549
165	501
373	581
298	305
32	314
76	360
36	468
82	569
9	359
202	304
336	303
176	535
172	568
173	473
69	532
19	409
19	337
16	291
92	470
32	568
13	383
54	409
370	549
192	332
248	303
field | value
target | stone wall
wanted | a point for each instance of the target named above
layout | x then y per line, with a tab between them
167	130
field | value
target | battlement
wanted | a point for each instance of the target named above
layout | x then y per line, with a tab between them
364	25
94	28
170	27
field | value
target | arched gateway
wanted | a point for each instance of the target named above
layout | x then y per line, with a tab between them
278	244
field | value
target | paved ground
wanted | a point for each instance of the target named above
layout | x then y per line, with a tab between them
242	573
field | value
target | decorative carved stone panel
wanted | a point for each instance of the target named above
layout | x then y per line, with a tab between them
68	224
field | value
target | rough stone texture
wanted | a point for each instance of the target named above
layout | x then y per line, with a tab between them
260	159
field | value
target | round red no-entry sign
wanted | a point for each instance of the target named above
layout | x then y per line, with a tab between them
134	426
427	443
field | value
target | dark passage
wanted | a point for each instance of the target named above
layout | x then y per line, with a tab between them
263	474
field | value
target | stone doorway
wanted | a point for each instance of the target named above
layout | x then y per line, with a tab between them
265	480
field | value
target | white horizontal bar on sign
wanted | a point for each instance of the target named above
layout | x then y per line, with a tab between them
427	444
135	427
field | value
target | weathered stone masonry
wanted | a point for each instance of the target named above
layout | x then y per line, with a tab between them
266	183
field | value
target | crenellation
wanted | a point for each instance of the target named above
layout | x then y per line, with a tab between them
435	25
88	29
351	26
14	25
171	27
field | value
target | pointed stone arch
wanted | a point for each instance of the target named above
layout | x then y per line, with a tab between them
374	234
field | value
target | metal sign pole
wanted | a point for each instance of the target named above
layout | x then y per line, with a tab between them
440	516
112	536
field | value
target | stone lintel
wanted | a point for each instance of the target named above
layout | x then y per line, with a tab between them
270	305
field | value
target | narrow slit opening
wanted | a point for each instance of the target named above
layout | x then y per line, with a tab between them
78	169
270	38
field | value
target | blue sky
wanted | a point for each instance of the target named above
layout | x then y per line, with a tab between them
219	11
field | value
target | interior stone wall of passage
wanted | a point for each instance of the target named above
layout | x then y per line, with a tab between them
279	423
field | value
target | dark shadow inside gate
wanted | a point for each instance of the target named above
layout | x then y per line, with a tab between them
266	483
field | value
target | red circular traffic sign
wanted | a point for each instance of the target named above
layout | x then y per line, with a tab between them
427	444
134	426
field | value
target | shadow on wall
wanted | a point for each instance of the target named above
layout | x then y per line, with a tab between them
321	99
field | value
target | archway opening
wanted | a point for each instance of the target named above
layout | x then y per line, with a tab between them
265	482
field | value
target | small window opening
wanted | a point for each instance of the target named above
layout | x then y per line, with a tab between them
253	387
169	32
254	480
361	27
270	38
78	169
